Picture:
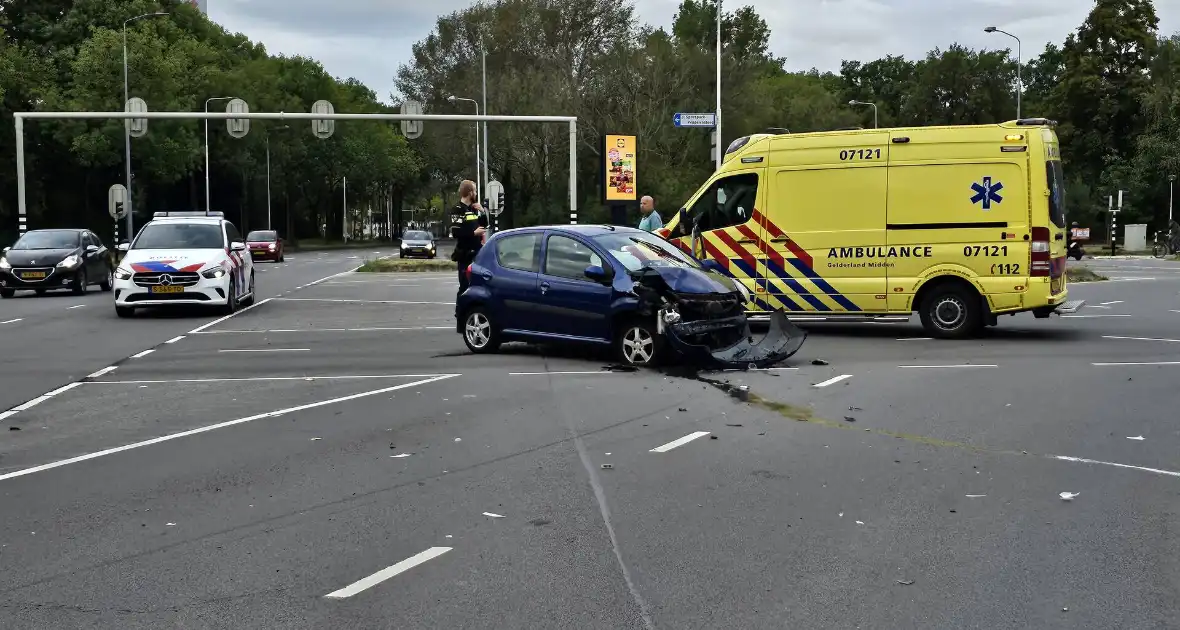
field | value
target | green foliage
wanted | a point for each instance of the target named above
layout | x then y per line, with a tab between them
1113	86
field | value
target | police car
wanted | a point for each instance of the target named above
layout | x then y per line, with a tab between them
185	258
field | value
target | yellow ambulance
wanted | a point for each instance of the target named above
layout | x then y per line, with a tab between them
958	224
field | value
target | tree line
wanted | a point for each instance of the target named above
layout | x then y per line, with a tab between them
1113	86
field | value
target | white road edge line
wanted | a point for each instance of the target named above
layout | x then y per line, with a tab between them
143	354
570	372
933	367
290	299
175	339
13	321
1082	460
915	338
260	378
1109	303
222	319
1140	338
833	380
1133	363
220	425
319	330
388	572
37	401
269	350
680	442
1091	316
109	368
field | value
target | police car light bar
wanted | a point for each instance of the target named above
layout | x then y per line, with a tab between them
191	213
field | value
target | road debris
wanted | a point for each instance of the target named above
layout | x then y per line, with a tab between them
732	425
855	409
818	362
607	466
493	515
849	419
317	439
401	455
1136	438
860	522
458	439
976	496
905	582
683	409
14	428
1069	496
170	524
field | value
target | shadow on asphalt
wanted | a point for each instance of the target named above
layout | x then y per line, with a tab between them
870	331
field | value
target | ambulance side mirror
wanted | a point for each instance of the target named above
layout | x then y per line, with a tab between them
682	221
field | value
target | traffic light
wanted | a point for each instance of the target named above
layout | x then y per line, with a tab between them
500	201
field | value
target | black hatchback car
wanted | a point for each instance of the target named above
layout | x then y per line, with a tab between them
45	260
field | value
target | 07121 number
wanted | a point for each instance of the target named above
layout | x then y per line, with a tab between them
985	250
860	154
1006	269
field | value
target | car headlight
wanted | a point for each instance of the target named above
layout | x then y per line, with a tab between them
272	247
4	263
122	274
213	273
745	292
69	262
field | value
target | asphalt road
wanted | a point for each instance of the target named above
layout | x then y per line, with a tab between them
334	458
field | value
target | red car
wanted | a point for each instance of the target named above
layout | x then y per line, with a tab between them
265	245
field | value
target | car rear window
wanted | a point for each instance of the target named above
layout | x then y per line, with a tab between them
262	236
1056	177
519	251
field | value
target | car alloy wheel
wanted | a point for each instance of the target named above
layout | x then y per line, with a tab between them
638	345
109	283
478	330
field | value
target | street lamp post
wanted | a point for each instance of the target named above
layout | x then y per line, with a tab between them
717	119
1019	84
478	187
207	101
268	173
1171	197
854	103
127	127
484	63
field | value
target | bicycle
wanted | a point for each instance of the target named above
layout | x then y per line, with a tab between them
1163	249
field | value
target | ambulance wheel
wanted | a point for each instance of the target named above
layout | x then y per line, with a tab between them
951	311
639	344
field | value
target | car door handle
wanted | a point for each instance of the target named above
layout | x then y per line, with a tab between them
486	276
748	241
544	287
781	239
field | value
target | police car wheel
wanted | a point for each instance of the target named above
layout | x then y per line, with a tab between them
639	344
478	332
124	311
231	302
951	312
249	299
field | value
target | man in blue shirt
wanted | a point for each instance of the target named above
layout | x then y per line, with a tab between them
651	219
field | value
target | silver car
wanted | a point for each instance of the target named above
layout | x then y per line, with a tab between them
418	243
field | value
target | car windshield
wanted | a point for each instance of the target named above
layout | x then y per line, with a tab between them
48	239
636	251
416	235
180	236
263	236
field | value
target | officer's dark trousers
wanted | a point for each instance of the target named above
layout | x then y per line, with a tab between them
462	283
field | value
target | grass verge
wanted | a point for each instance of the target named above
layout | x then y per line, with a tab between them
1083	274
386	265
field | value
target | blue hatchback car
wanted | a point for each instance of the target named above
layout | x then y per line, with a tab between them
611	286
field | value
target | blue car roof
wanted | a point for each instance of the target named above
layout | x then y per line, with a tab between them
583	230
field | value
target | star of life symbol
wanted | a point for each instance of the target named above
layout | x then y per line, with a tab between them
987	193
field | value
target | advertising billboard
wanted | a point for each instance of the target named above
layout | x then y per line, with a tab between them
619	170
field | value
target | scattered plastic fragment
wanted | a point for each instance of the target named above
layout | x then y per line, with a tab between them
976	496
683	409
1069	496
608	454
14	428
732	425
849	419
712	437
449	536
170	524
905	582
316	439
458	439
607	466
860	522
1137	438
818	362
493	515
401	455
855	409
841	515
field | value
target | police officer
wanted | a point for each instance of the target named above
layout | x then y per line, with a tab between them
468	226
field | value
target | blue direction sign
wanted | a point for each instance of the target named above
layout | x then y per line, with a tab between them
694	120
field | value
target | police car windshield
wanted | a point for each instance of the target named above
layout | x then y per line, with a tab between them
180	236
416	235
48	239
636	251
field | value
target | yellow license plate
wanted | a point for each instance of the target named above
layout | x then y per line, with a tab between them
167	289
1055	285
33	275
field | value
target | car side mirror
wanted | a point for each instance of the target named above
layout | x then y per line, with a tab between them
596	273
5	251
90	249
124	246
682	223
238	246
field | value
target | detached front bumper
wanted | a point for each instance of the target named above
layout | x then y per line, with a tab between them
783	340
206	292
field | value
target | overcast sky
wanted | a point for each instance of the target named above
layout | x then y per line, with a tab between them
368	39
